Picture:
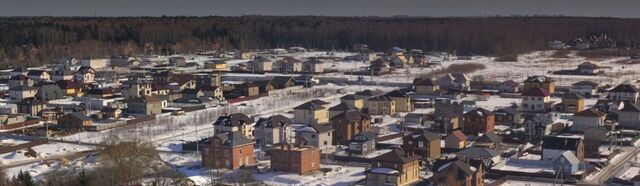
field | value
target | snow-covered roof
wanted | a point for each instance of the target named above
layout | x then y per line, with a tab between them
382	170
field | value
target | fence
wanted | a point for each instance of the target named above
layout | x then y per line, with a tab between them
22	146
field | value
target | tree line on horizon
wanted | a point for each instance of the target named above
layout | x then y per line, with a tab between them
33	41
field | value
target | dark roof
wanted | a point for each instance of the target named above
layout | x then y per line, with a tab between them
320	102
316	128
310	106
146	99
443	164
181	79
458	134
342	107
236	119
479	112
19	77
553	142
508	110
233	139
79	115
426	135
423	82
587	65
366	93
585	83
380	98
85	70
538	79
68	84
191	91
35	72
397	94
274	121
352	116
281	81
536	91
490	137
349	97
572	96
624	88
590	113
510	83
396	156
478	152
368	135
23	88
630	107
109	109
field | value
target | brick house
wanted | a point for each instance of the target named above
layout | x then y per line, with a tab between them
543	82
396	167
273	130
310	113
381	105
477	121
423	143
572	103
237	122
228	150
347	124
457	172
301	159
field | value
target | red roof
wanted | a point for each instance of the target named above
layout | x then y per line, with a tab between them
537	92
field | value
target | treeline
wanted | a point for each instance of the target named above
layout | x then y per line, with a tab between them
36	40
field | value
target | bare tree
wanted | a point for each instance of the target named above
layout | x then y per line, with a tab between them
125	162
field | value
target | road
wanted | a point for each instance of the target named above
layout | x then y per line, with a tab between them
613	168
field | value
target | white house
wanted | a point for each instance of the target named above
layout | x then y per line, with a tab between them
624	92
535	99
585	88
586	119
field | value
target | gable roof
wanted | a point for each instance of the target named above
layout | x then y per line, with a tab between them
233	120
537	92
274	121
311	105
508	110
367	135
510	83
478	152
585	83
85	70
630	107
343	107
233	139
314	128
79	115
35	72
426	135
423	82
445	164
458	135
348	97
561	143
490	137
590	113
624	88
281	81
572	96
352	116
380	98
479	112
396	156
397	94
587	65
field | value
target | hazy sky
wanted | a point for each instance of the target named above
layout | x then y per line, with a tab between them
436	8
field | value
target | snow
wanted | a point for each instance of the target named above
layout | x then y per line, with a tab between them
382	170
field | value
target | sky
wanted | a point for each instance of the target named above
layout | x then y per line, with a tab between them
432	8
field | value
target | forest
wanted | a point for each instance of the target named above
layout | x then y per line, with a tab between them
38	40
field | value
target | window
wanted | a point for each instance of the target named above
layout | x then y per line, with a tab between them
226	153
313	136
240	151
420	144
325	142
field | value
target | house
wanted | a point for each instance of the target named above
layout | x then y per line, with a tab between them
212	92
594	137
208	80
273	130
85	74
447	121
365	95
216	64
425	86
20	80
317	136
301	159
62	73
8	108
417	119
456	172
49	91
39	75
456	140
313	66
341	108
624	92
310	113
362	143
147	105
249	89
381	105
70	88
477	121
567	162
488	156
122	61
192	94
489	140
353	101
509	86
288	65
348	124
228	150
585	88
22	92
282	82
163	77
380	66
111	112
74	120
508	116
261	64
629	115
541	125
266	86
543	82
536	99
396	167
455	81
572	103
554	146
402	101
182	81
588	118
587	68
423	143
237	122
31	106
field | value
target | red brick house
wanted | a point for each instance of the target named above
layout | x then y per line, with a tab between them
347	124
228	150
477	121
300	159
